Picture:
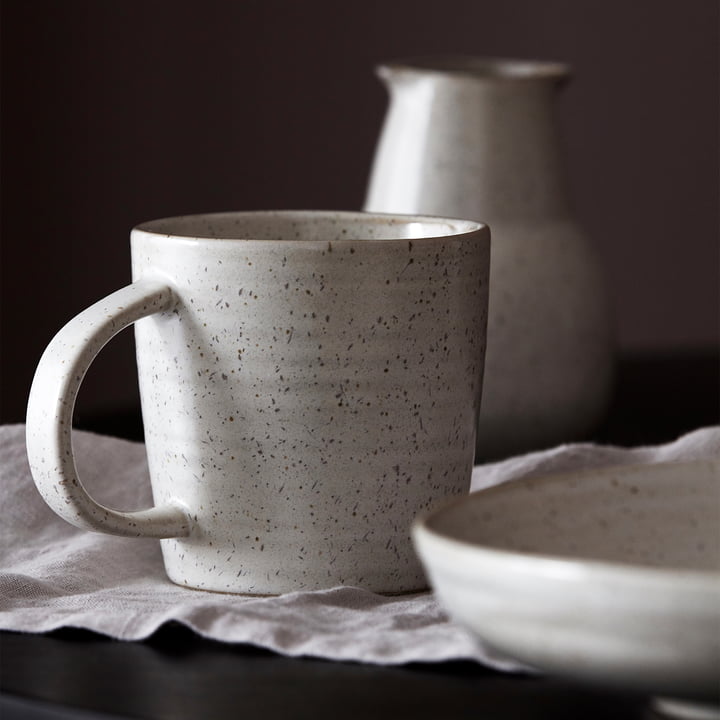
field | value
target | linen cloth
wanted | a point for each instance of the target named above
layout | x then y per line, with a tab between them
53	575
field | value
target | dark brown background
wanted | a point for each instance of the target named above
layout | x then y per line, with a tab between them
115	112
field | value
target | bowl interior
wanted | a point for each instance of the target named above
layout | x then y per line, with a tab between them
665	515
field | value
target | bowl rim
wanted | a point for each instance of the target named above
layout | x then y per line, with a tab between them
557	565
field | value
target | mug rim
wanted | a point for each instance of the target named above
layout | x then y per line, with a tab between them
170	228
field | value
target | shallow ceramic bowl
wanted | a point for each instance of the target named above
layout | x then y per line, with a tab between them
609	575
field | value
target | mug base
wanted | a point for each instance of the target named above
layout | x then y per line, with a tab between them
420	589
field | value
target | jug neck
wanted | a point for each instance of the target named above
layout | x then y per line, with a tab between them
487	133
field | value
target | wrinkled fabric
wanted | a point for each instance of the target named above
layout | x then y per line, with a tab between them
53	575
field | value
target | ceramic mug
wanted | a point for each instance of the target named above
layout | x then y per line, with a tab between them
309	382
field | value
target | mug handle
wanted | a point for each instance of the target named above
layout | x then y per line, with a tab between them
50	412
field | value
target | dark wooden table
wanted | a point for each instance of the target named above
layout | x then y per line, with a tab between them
176	675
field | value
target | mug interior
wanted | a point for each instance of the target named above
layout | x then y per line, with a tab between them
307	225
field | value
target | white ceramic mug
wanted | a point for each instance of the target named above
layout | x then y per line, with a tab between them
309	383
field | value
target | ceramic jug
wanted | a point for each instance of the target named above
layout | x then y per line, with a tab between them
477	138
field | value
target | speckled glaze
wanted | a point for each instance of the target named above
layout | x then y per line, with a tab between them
309	384
611	576
476	138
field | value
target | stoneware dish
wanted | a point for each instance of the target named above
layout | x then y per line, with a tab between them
609	576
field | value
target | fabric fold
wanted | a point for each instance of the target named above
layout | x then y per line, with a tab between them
53	575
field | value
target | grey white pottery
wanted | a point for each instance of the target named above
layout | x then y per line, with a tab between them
309	383
477	138
610	576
